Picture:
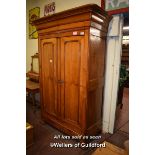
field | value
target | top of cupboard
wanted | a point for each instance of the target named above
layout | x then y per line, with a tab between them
89	12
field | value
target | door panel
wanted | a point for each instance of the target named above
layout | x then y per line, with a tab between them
71	49
48	73
72	77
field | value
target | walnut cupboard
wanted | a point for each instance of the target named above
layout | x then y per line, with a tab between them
72	50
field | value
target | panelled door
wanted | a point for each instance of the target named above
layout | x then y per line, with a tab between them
62	79
49	76
72	49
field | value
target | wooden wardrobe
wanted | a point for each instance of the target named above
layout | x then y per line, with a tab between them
72	51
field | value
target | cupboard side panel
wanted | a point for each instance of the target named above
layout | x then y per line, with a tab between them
95	82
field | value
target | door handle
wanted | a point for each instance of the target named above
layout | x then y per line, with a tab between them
60	81
50	60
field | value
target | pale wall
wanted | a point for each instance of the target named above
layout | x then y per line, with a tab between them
114	48
61	5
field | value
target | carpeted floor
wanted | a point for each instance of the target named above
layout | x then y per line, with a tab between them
44	133
43	136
